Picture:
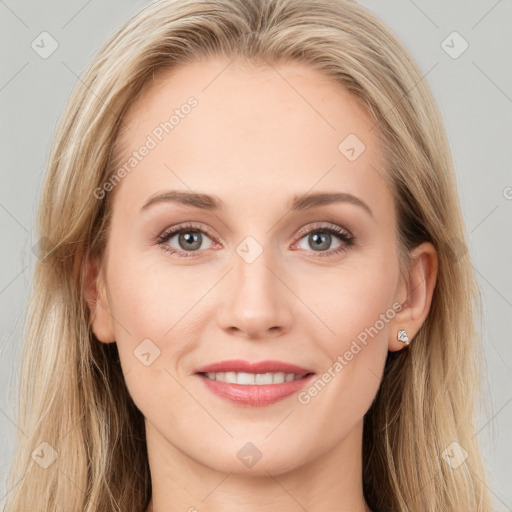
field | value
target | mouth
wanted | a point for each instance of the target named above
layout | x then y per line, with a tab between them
253	379
254	384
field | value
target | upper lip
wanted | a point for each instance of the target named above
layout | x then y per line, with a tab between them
237	365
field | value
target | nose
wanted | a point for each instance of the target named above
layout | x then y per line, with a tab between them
256	301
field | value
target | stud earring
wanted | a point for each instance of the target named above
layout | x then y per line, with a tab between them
402	336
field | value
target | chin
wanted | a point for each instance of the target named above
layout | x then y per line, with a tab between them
255	464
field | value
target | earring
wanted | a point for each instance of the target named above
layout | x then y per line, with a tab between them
402	336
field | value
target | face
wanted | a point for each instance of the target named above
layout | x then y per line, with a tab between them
256	272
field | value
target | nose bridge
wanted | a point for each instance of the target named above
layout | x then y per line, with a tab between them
252	275
255	300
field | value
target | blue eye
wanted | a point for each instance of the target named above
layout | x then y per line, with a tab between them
192	237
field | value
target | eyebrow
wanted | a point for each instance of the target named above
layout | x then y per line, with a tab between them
214	203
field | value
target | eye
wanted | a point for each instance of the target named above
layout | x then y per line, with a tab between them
320	237
186	240
188	237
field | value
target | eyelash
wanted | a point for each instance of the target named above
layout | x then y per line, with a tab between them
342	234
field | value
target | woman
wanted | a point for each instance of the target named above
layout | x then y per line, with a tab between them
251	293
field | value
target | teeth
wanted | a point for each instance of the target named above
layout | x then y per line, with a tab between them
253	378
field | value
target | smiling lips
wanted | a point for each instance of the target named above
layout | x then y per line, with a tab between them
254	384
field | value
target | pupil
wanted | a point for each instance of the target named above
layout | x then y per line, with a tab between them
191	238
320	239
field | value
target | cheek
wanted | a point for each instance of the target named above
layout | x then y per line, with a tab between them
354	359
142	303
151	333
148	294
148	307
353	302
355	306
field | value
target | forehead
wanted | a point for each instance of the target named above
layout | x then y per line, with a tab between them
245	132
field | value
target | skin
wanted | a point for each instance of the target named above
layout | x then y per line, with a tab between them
258	136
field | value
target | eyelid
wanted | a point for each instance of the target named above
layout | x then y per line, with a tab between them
317	226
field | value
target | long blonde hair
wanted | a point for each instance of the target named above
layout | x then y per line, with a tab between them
72	391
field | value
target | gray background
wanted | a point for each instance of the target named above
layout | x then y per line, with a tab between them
474	92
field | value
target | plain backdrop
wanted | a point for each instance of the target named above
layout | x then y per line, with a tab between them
470	73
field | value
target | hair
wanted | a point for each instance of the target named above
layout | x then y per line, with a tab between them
72	392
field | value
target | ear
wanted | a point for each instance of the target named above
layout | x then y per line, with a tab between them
415	294
95	293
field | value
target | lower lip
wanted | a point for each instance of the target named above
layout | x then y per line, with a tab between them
255	395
